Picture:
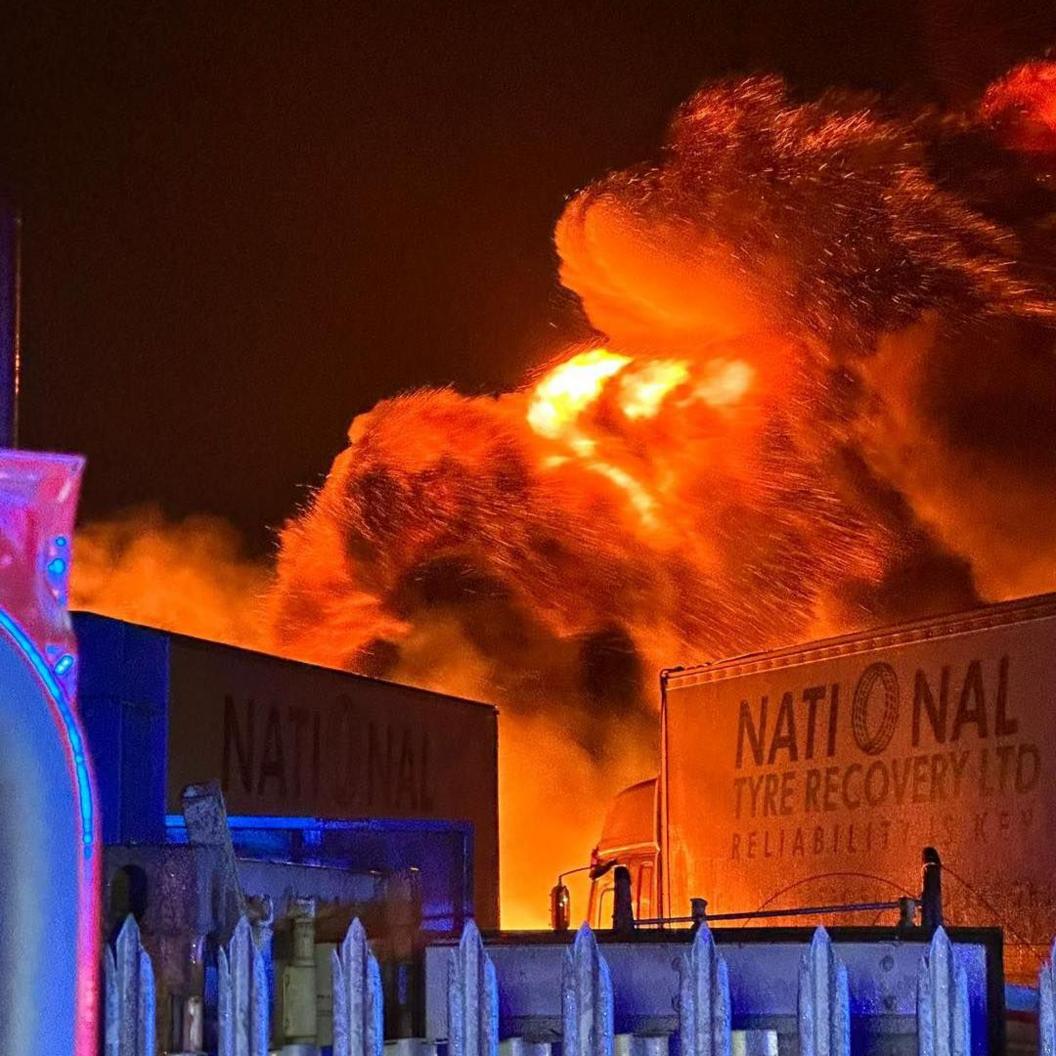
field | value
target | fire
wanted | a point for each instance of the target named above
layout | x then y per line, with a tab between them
568	389
642	393
822	398
190	577
1023	107
560	404
727	383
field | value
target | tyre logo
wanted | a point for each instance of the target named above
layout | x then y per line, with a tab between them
875	741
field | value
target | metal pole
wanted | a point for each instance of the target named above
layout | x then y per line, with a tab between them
623	902
800	911
931	893
10	321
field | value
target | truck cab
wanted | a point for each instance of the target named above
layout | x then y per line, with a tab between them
629	837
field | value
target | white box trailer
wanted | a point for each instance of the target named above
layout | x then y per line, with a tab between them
815	775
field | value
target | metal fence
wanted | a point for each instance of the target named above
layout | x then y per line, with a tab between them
129	1012
474	989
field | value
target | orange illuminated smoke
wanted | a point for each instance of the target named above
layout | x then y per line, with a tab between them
1022	107
821	397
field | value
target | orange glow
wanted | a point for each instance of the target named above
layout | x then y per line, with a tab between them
799	423
1023	106
644	391
726	383
570	406
562	396
188	577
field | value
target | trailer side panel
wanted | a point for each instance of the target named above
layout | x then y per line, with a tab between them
816	776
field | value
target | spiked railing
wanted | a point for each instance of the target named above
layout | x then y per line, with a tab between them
702	1003
243	1011
128	980
472	999
824	1000
703	999
943	1024
358	1011
586	999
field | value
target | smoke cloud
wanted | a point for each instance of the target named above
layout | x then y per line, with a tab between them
822	397
188	576
905	264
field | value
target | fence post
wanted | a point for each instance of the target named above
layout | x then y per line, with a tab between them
243	1019
1047	1006
931	891
472	998
358	1009
130	1006
824	1000
623	902
703	999
586	999
943	1026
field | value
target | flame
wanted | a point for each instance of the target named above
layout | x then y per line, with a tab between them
561	401
822	398
642	393
562	396
727	383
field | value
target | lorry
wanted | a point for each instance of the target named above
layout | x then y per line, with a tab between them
315	765
340	796
815	774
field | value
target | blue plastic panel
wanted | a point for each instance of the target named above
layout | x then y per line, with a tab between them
122	695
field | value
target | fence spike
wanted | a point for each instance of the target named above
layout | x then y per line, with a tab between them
243	998
586	999
146	1005
472	998
824	1000
943	1024
358	1009
111	1034
130	1000
703	999
1046	1006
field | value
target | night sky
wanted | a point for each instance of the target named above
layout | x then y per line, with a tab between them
245	224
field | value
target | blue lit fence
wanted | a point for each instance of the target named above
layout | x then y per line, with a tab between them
702	1005
824	1000
243	1014
1047	1006
358	1009
130	1006
586	1000
472	999
128	979
704	999
943	1023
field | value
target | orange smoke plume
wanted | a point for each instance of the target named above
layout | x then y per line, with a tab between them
823	395
190	576
805	309
1022	108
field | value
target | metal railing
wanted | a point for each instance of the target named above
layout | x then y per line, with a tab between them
929	905
703	1006
475	990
